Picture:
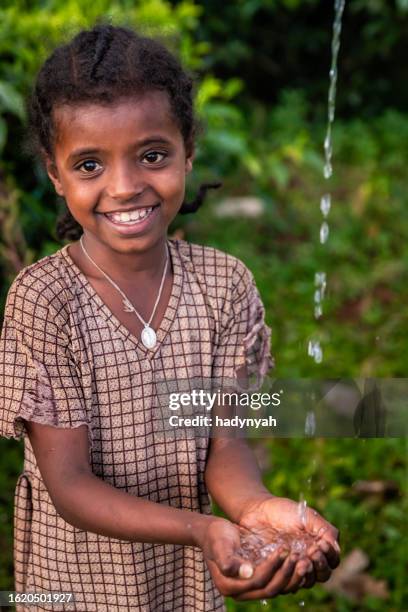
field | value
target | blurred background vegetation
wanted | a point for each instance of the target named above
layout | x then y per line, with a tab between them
261	71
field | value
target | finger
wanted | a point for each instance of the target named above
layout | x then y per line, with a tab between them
331	550
304	574
275	586
321	566
262	574
294	590
225	553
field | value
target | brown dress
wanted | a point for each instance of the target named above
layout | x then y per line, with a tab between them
66	360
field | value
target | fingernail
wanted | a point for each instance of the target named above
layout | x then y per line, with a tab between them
336	546
324	545
246	570
284	554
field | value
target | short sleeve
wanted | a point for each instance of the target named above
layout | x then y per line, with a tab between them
39	378
244	338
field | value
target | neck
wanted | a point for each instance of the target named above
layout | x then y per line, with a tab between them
121	266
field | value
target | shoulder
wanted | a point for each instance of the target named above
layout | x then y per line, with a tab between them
218	269
37	289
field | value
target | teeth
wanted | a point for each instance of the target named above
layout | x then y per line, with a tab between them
130	217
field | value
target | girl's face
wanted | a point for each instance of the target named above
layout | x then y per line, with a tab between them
127	156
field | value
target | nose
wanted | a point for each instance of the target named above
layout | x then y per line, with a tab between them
125	182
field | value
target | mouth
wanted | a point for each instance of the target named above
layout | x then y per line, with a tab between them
134	221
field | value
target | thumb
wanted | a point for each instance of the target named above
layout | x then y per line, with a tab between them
232	565
227	557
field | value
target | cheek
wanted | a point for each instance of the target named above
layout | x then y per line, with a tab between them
80	194
173	183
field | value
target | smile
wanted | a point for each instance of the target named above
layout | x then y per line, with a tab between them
133	222
132	217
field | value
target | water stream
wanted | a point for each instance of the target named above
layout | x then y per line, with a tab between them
320	280
256	551
314	346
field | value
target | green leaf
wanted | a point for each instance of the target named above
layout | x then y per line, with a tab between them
11	100
3	134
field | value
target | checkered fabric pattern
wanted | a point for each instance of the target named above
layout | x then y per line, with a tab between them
67	361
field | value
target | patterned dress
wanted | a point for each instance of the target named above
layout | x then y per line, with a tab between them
66	361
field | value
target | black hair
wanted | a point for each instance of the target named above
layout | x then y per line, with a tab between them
104	64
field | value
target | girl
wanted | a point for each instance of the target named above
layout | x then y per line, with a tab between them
108	507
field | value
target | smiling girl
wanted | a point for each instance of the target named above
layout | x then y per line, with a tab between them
107	507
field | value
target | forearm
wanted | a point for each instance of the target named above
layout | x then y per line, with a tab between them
91	504
233	477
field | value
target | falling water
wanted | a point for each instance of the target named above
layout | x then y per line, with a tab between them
302	510
314	347
310	424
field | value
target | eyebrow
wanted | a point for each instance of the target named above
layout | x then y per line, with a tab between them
140	143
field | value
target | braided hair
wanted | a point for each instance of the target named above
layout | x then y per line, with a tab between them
104	64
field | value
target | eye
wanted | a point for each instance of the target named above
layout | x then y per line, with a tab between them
154	157
88	166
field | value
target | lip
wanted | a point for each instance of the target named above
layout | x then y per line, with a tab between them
137	228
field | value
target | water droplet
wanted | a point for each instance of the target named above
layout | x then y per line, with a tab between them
315	350
320	279
310	423
327	170
318	311
302	604
325	204
317	296
324	232
264	602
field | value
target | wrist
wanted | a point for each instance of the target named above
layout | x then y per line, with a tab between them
249	504
198	527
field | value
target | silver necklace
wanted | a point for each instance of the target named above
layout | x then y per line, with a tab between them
148	335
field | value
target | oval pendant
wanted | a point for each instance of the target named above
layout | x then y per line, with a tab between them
149	337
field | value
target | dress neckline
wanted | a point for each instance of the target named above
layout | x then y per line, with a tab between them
105	311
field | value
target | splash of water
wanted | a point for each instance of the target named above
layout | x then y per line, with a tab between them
302	510
310	424
315	350
320	284
325	204
314	347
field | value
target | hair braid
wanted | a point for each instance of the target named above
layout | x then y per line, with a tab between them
102	45
194	205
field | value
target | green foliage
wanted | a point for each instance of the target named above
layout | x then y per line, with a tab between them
272	151
280	44
277	154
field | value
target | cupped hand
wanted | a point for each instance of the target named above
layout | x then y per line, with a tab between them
279	519
221	545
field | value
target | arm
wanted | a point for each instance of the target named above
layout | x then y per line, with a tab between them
234	481
233	477
89	503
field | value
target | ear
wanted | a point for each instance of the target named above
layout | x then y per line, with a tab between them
53	173
189	160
